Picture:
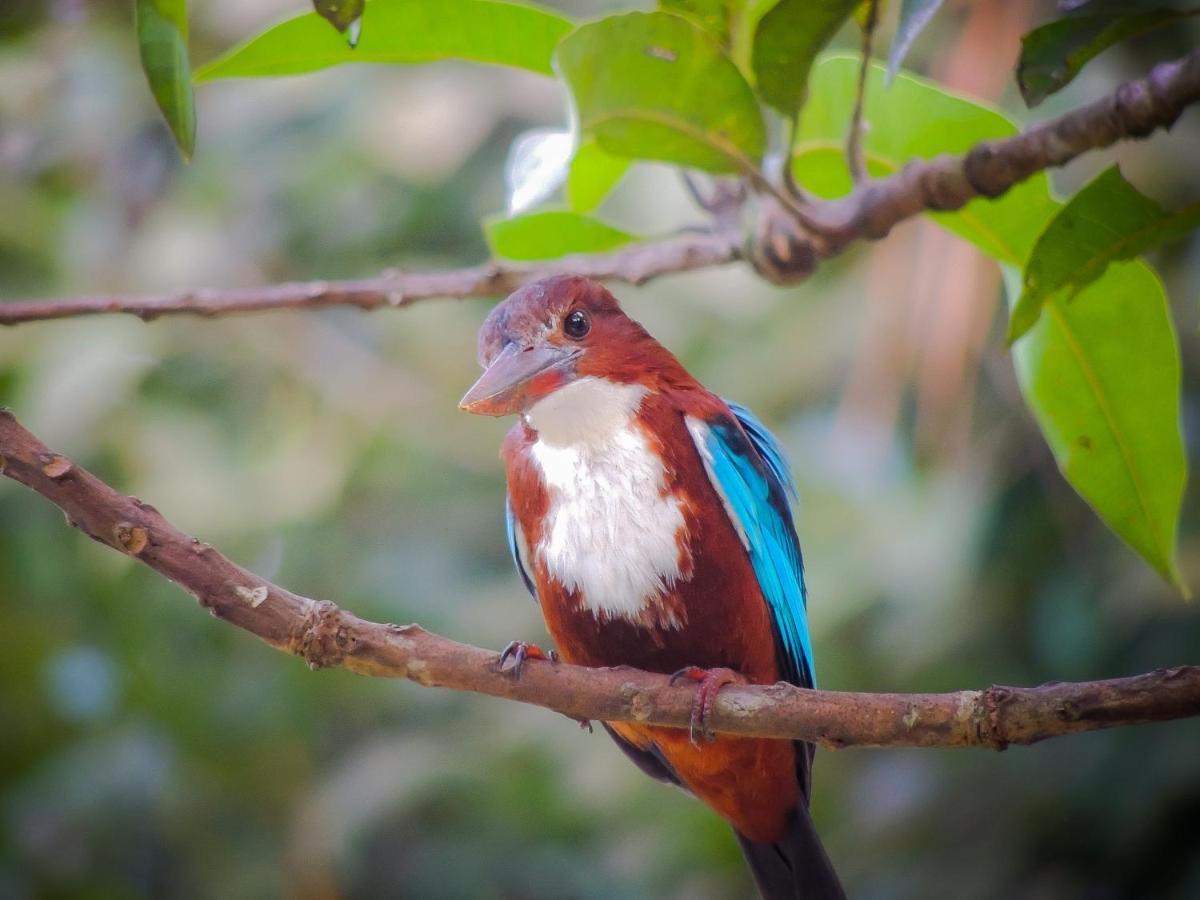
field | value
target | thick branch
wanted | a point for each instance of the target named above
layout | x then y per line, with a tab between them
789	239
325	635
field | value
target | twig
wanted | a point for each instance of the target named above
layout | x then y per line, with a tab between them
854	149
635	263
325	635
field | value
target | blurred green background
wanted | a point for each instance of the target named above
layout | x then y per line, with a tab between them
147	750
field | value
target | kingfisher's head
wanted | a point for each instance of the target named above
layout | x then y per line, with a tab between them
549	334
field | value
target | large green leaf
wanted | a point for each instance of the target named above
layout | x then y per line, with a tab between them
592	176
1051	56
787	40
656	86
915	118
914	16
1108	220
550	234
1101	373
163	41
402	31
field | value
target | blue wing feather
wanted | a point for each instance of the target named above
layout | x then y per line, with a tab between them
748	468
767	446
513	529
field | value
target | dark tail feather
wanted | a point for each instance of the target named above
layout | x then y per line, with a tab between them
794	868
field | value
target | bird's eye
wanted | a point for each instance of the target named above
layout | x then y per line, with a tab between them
577	325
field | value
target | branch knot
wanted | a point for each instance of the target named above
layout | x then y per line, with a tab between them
323	639
130	538
779	251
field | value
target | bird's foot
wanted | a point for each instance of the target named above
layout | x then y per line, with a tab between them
710	682
512	657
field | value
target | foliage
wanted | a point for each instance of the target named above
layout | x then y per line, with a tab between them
786	43
162	36
401	31
1107	221
1105	392
1100	371
540	234
592	176
1052	55
654	86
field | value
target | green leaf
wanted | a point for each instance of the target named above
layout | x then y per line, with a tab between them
162	32
655	86
592	176
344	15
1108	220
914	16
1051	56
732	23
402	31
916	119
551	234
718	17
1101	373
786	43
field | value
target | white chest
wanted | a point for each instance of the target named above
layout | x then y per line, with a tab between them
612	532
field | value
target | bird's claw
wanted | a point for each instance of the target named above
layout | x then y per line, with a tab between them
519	651
709	683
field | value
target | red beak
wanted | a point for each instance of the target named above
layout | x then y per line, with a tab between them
519	377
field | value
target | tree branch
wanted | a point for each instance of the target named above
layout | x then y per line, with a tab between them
635	264
325	635
788	241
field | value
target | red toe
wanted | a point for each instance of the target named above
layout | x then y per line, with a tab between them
710	682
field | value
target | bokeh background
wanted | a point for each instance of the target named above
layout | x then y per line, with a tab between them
147	750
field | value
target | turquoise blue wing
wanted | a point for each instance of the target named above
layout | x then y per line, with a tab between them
747	467
515	541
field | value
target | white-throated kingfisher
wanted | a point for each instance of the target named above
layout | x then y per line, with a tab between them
651	520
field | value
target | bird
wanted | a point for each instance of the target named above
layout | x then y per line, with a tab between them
652	522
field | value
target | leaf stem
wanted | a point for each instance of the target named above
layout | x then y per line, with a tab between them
854	140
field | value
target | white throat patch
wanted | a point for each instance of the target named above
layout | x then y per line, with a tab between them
611	534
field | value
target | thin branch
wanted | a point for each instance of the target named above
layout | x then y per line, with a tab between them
808	230
854	148
325	635
634	263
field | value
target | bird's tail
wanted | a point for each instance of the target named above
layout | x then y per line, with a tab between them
795	867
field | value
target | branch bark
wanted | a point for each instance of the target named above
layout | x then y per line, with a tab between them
325	635
634	264
786	244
